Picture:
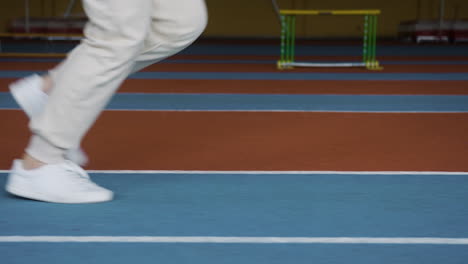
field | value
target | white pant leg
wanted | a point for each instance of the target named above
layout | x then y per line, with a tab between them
114	46
92	72
175	25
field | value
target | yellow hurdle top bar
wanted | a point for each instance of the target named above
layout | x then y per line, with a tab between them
329	12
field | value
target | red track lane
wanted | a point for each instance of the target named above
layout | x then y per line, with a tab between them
296	87
238	67
265	141
287	87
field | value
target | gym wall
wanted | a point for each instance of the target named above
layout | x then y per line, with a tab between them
256	18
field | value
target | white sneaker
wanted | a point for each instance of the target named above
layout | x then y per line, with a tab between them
56	183
29	95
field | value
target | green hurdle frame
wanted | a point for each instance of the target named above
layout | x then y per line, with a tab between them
288	39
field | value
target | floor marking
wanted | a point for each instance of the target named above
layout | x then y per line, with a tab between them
280	103
419	76
235	240
273	111
252	61
246	172
292	111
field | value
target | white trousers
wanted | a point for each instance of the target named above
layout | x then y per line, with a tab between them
121	37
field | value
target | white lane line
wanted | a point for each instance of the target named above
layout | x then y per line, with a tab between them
247	172
282	111
296	111
235	240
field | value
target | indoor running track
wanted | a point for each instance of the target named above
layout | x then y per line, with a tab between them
223	159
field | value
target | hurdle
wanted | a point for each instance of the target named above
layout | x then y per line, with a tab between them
288	39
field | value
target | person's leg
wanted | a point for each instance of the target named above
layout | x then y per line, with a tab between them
175	25
83	85
31	93
87	79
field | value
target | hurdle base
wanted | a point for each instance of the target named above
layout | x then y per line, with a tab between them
290	65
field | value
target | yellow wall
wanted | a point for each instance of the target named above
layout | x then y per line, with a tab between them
245	18
256	17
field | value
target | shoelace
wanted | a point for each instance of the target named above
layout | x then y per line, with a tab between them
72	167
79	174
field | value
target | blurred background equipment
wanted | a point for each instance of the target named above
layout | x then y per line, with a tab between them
56	25
415	20
66	23
438	29
288	37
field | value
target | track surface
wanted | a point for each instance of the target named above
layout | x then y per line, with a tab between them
235	148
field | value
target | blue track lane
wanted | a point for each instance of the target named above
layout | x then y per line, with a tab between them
328	50
299	76
274	49
230	254
253	61
248	205
268	102
254	205
278	76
